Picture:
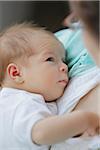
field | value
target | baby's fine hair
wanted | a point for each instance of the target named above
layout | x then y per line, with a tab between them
16	42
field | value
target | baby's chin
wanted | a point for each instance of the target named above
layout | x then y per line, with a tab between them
54	97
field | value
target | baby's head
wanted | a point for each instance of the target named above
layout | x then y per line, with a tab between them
32	59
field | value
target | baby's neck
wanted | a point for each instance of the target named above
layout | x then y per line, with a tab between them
11	85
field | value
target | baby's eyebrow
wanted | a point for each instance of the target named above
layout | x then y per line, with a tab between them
54	53
49	53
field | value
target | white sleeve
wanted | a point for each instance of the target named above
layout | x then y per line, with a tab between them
28	113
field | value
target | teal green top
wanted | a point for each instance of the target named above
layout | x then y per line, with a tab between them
77	57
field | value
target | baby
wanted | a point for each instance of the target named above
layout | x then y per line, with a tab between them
32	73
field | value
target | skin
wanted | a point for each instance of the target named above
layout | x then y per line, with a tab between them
84	103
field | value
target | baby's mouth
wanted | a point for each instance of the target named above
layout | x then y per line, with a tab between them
64	82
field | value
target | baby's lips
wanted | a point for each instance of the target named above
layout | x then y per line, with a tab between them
63	81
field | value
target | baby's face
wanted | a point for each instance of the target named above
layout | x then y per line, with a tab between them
47	74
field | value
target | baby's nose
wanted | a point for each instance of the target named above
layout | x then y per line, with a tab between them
64	68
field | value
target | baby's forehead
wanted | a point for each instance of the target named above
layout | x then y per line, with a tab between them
48	44
46	38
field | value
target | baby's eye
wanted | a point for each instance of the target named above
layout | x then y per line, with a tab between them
50	59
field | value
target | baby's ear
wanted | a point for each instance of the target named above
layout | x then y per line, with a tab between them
14	73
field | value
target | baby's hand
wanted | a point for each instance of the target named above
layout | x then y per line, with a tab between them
90	132
94	126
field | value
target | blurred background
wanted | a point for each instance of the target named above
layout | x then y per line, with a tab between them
49	14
